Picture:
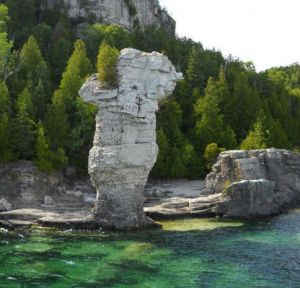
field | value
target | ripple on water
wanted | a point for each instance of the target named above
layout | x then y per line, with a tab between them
188	253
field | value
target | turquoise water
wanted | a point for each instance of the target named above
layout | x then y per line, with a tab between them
187	253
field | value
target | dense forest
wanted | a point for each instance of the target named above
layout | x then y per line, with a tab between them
222	103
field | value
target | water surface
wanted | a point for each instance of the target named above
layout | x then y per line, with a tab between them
187	254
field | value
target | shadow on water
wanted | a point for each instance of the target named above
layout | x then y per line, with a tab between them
186	253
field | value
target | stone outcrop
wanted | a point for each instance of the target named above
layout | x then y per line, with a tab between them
23	185
242	184
125	13
125	149
255	183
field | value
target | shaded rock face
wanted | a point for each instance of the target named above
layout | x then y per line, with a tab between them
24	185
255	183
144	13
125	149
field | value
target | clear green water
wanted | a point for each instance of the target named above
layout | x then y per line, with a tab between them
189	253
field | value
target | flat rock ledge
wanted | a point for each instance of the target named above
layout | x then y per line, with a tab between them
65	220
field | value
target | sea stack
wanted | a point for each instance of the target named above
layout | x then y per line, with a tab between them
124	149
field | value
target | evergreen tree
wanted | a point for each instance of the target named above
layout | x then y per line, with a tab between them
56	123
160	169
8	58
242	106
30	55
25	100
194	69
78	68
58	57
210	125
107	62
4	99
46	159
256	138
3	18
35	73
23	132
5	148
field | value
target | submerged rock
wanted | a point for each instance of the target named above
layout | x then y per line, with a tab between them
125	149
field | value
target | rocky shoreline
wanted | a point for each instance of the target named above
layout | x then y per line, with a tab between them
242	184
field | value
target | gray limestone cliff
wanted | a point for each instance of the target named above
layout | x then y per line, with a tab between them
125	149
125	13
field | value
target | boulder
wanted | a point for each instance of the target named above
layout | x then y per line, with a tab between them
5	205
249	199
125	149
48	201
255	183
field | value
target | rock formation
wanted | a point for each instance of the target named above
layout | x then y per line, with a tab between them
125	13
125	149
243	184
23	185
255	183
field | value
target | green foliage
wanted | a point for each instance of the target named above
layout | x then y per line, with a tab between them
46	159
24	102
5	148
222	102
211	154
255	139
107	64
3	18
30	55
194	69
23	135
4	99
114	35
210	125
56	123
8	58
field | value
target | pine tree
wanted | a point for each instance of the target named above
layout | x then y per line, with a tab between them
210	126
4	99
256	138
30	55
46	159
106	63
8	58
56	123
242	106
194	70
3	18
5	148
23	132
25	100
160	169
43	152
78	68
36	73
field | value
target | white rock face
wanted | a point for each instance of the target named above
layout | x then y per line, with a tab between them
148	12
5	205
125	149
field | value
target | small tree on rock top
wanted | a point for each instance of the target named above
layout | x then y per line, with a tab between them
107	62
